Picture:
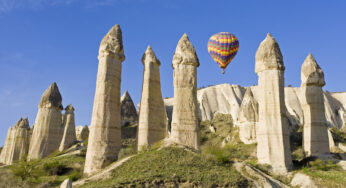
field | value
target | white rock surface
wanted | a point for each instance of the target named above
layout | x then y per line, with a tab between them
82	132
152	124
105	129
66	184
185	121
69	136
248	118
17	142
272	134
302	181
48	129
315	132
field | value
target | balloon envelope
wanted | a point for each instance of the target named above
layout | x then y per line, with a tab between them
223	47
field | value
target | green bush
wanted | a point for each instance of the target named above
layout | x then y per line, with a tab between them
75	175
323	165
26	169
55	168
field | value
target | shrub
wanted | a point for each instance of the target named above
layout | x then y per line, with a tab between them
323	165
55	168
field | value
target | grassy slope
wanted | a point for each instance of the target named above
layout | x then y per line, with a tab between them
173	165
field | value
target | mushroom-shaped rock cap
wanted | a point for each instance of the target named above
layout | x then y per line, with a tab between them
22	123
185	53
51	98
312	73
149	56
69	109
112	44
249	108
268	55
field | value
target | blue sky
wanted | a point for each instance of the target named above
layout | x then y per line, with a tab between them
45	41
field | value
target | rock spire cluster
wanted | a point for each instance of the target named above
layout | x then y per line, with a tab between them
315	132
105	129
185	120
152	124
273	135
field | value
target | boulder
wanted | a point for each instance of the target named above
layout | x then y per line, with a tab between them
66	184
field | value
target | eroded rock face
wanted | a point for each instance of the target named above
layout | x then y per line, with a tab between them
248	118
128	110
69	136
48	130
315	133
272	135
82	132
185	122
105	129
17	142
152	124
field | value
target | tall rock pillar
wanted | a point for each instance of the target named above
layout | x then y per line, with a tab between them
69	136
315	132
272	136
185	122
17	142
48	129
105	129
153	124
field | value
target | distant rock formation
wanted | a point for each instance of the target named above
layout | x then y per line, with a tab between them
105	129
273	145
128	110
248	118
315	133
17	142
185	122
69	136
48	130
82	132
152	124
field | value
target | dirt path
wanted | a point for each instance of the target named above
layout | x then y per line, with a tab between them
104	174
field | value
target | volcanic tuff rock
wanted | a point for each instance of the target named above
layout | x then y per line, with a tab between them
226	99
273	145
69	136
152	124
128	110
66	184
48	130
82	132
248	118
105	129
315	133
17	142
185	122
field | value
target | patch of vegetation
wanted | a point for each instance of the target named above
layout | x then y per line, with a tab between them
173	164
338	135
50	170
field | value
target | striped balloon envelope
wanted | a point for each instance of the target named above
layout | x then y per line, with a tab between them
223	47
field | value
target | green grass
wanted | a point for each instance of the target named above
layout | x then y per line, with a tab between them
51	171
173	165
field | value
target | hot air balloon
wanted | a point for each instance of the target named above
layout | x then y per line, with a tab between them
223	47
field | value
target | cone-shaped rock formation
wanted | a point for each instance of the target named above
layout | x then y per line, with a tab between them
248	118
82	132
128	110
69	136
185	122
315	132
153	123
48	130
272	134
17	142
105	130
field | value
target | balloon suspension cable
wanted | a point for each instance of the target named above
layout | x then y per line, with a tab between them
223	71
